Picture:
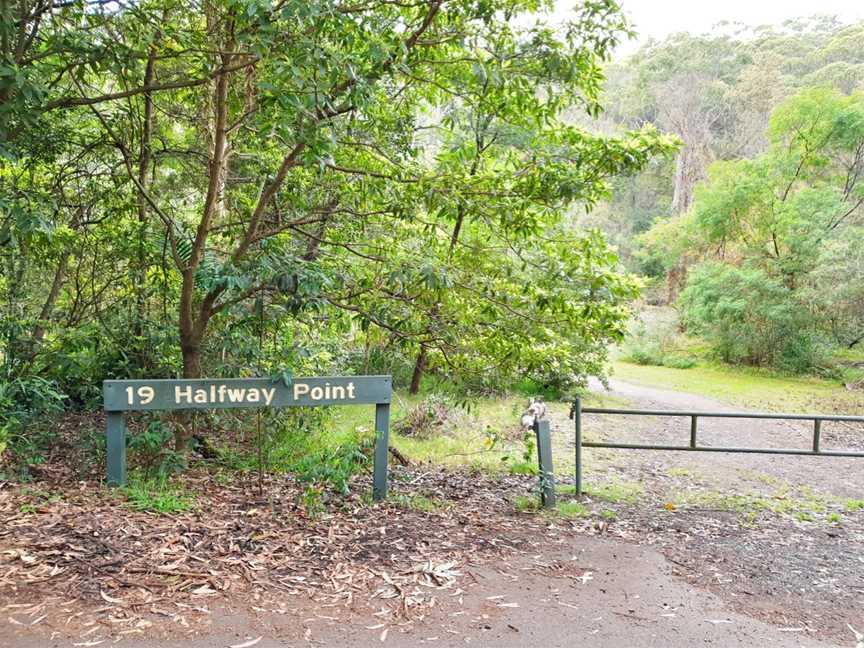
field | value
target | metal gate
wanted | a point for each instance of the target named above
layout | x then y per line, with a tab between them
577	411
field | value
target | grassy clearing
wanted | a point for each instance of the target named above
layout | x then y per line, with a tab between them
487	438
751	388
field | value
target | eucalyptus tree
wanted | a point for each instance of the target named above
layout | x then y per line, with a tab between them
716	91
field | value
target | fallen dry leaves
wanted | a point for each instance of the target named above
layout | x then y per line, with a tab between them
82	563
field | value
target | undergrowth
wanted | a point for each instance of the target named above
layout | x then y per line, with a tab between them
156	495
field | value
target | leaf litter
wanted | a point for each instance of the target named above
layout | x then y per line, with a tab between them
88	566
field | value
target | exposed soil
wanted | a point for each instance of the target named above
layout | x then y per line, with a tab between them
509	580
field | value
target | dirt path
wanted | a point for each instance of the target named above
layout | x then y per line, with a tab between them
777	538
764	474
593	591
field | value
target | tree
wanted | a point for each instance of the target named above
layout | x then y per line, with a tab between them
716	91
785	213
281	168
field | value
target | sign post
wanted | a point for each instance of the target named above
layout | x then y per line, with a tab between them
122	396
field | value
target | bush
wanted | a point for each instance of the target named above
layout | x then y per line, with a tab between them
645	353
679	362
26	405
751	318
303	444
151	450
77	361
436	414
657	347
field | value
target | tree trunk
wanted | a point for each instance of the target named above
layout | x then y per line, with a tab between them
48	305
685	179
183	429
676	277
191	360
419	369
145	154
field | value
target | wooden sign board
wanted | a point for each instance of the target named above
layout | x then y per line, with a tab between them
122	396
126	395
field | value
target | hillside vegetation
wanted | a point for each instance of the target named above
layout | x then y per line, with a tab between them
755	232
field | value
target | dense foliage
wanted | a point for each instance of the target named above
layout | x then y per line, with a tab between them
778	232
240	187
757	224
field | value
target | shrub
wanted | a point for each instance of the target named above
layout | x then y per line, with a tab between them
749	317
302	443
435	414
26	405
151	449
656	347
645	353
679	362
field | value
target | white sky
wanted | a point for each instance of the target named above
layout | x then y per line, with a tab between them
659	18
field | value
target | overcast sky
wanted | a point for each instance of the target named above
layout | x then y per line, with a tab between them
659	18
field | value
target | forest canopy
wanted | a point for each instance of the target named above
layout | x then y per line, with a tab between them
238	187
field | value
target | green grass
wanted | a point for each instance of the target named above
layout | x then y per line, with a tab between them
566	508
156	496
523	468
571	509
488	438
855	505
807	507
616	492
527	503
748	387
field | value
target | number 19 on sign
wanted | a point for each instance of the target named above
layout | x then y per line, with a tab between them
145	395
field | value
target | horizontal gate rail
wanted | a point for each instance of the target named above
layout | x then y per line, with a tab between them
744	415
815	449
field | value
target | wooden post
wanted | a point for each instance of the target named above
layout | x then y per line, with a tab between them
116	449
382	446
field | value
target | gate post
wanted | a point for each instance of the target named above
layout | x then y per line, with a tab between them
577	424
544	458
